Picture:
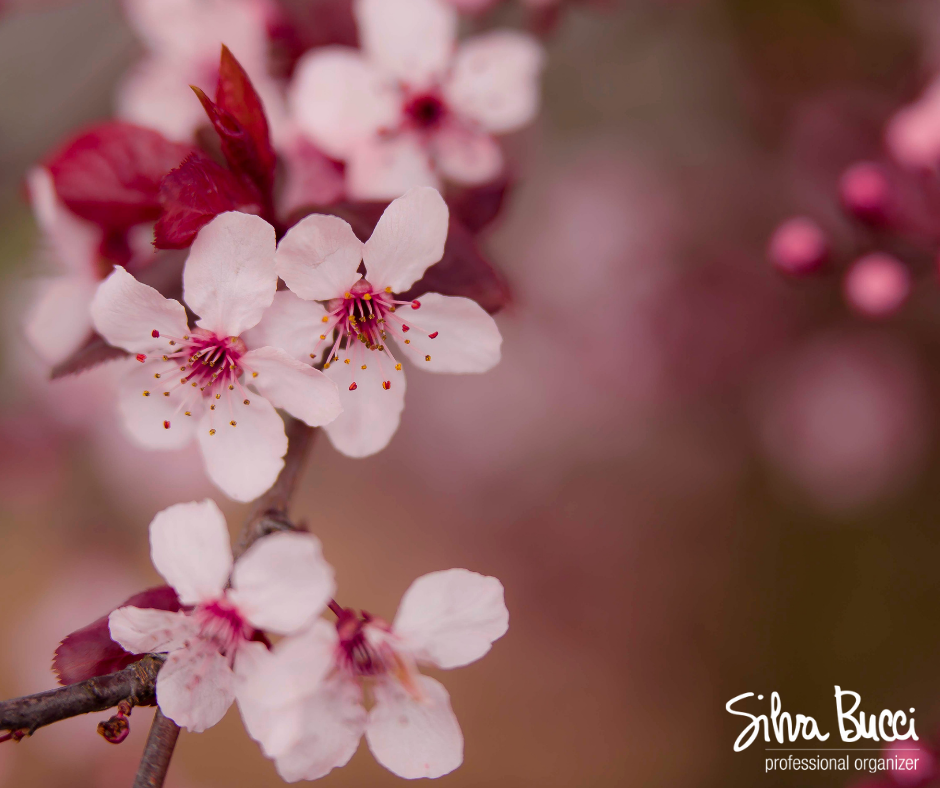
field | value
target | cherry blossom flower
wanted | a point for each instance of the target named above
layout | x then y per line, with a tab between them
319	260
798	246
877	285
183	38
913	135
59	320
278	586
194	380
410	109
304	700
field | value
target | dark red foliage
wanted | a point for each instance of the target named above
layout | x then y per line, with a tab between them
306	24
475	207
110	174
90	651
462	271
193	194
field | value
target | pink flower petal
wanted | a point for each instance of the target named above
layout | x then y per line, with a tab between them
155	93
338	99
59	320
319	257
383	169
412	40
142	630
877	285
126	312
329	727
467	157
451	618
292	324
467	339
414	738
245	459
230	278
145	416
408	239
195	686
495	80
371	413
298	388
74	242
190	548
282	582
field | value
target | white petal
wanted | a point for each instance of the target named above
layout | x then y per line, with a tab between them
408	239
413	738
385	168
282	582
298	388
145	416
410	39
74	242
144	630
467	157
59	320
126	313
371	413
243	460
190	548
195	686
468	339
495	80
338	99
230	277
330	724
292	671
451	618
155	93
292	324
319	257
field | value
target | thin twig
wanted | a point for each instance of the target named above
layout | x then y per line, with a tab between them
157	753
269	514
134	684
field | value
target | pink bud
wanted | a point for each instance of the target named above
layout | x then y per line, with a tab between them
877	285
866	192
798	246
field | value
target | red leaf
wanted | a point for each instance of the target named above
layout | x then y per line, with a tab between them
236	95
462	271
90	651
111	173
192	195
477	206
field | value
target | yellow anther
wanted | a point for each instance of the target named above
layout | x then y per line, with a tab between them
231	387
166	358
254	374
407	341
156	375
363	366
348	294
398	367
146	393
325	319
388	290
367	297
232	422
166	393
212	432
212	407
427	358
345	360
194	384
322	336
218	396
326	365
187	413
247	402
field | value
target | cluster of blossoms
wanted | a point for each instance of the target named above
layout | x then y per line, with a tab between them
303	700
329	228
892	241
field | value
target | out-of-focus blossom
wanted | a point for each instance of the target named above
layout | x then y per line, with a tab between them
845	418
923	772
32	462
913	135
798	246
310	726
410	109
877	285
319	260
867	193
59	321
190	381
277	586
183	39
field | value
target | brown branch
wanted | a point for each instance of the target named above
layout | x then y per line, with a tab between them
157	753
269	514
134	684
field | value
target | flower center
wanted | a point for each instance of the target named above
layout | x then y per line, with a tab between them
356	653
425	111
363	320
222	624
198	366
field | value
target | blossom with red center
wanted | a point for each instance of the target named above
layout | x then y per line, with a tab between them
411	108
305	700
205	381
277	586
319	260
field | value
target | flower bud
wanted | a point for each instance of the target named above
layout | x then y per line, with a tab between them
798	247
867	193
877	285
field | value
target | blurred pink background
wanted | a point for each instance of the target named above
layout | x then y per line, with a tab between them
695	476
